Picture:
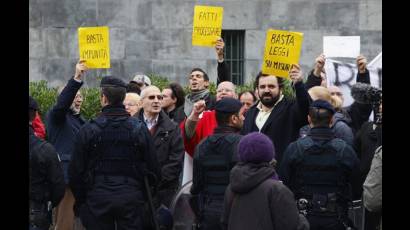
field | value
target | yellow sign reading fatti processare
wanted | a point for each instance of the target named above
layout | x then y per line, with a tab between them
207	26
282	50
94	46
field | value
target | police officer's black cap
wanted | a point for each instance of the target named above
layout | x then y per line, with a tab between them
228	105
112	82
322	104
32	104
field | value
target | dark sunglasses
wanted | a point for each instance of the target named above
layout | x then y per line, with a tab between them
152	97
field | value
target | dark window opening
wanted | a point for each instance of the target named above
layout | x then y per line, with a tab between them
234	53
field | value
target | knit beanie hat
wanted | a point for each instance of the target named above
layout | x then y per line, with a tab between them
256	148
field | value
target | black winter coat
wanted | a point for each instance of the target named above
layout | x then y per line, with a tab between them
265	203
84	154
284	122
177	115
170	151
63	125
366	142
46	172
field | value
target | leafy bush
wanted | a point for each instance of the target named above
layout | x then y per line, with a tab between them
46	96
91	102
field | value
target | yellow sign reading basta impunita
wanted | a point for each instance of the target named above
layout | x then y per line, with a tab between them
94	46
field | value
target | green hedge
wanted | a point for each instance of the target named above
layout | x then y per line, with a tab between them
46	96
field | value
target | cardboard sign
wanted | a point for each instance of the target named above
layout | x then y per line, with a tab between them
341	46
282	50
94	46
207	26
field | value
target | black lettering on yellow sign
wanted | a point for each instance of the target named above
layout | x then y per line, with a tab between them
279	51
207	31
283	39
94	38
94	54
281	66
208	16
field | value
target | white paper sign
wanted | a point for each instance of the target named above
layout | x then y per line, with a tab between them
341	46
344	75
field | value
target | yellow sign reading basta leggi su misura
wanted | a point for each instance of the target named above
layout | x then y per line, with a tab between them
207	26
282	50
94	46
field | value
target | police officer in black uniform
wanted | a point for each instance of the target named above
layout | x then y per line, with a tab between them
320	171
112	155
214	158
47	184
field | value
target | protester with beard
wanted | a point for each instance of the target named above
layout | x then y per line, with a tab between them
64	122
276	116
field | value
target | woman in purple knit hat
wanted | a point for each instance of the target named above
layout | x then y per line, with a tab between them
255	199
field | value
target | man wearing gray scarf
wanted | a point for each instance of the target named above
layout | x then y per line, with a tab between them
199	81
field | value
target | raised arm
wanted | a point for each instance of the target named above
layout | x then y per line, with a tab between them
300	109
223	68
66	97
317	75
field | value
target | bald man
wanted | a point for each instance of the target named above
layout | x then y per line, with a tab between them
132	103
201	123
167	140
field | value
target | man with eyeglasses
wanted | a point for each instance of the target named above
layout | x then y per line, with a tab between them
201	123
167	141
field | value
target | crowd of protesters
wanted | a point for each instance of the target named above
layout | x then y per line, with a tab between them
261	160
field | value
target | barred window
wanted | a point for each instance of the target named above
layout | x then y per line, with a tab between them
234	53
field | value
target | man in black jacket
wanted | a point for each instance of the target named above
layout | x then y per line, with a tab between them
63	123
167	142
113	153
321	170
46	177
276	116
213	159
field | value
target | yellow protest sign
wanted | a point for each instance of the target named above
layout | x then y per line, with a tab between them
94	46
282	50
207	26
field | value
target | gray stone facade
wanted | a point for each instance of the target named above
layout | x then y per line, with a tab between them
154	36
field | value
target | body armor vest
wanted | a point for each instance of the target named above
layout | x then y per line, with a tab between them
115	148
320	177
217	157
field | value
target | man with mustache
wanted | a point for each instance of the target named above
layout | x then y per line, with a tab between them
276	116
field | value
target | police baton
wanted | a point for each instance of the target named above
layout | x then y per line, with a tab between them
150	203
